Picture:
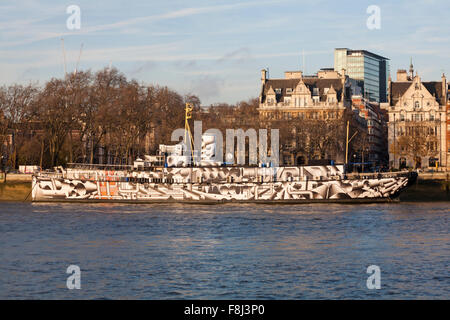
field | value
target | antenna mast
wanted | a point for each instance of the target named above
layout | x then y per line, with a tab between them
303	57
79	56
64	56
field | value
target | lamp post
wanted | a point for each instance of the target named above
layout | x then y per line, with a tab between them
440	141
395	141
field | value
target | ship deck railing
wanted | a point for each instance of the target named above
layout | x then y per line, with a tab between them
136	179
95	166
371	175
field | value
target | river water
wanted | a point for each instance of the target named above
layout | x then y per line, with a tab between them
319	251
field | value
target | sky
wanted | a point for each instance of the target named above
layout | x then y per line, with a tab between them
216	49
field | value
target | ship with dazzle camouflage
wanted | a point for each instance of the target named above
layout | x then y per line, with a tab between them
175	176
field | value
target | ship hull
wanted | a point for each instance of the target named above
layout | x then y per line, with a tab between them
212	185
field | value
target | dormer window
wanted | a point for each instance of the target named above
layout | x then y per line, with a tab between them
315	91
289	90
278	91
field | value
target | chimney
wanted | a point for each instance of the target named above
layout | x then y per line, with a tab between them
402	76
263	76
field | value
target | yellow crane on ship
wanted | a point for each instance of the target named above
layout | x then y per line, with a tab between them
187	130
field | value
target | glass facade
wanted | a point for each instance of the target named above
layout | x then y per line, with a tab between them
365	66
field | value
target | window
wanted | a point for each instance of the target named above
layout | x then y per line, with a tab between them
316	100
278	91
289	90
416	105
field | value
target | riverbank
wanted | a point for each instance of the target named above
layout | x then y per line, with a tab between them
428	187
15	191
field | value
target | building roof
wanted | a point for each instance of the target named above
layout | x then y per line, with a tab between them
398	89
364	52
435	88
310	82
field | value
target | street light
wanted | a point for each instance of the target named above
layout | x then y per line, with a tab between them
440	140
395	141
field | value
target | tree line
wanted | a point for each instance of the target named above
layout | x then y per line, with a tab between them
69	120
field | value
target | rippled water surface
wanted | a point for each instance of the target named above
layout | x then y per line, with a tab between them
224	251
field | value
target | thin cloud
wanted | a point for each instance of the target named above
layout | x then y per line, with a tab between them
181	13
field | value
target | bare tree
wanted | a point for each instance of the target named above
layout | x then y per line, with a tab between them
417	141
15	103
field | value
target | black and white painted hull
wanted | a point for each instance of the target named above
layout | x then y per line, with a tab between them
217	185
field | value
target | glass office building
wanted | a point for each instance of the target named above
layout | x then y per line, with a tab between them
363	65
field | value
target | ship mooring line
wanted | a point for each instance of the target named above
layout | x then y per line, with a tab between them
29	192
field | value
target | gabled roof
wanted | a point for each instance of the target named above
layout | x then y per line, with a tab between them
398	89
270	91
331	91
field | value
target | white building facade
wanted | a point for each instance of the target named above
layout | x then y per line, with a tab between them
417	122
